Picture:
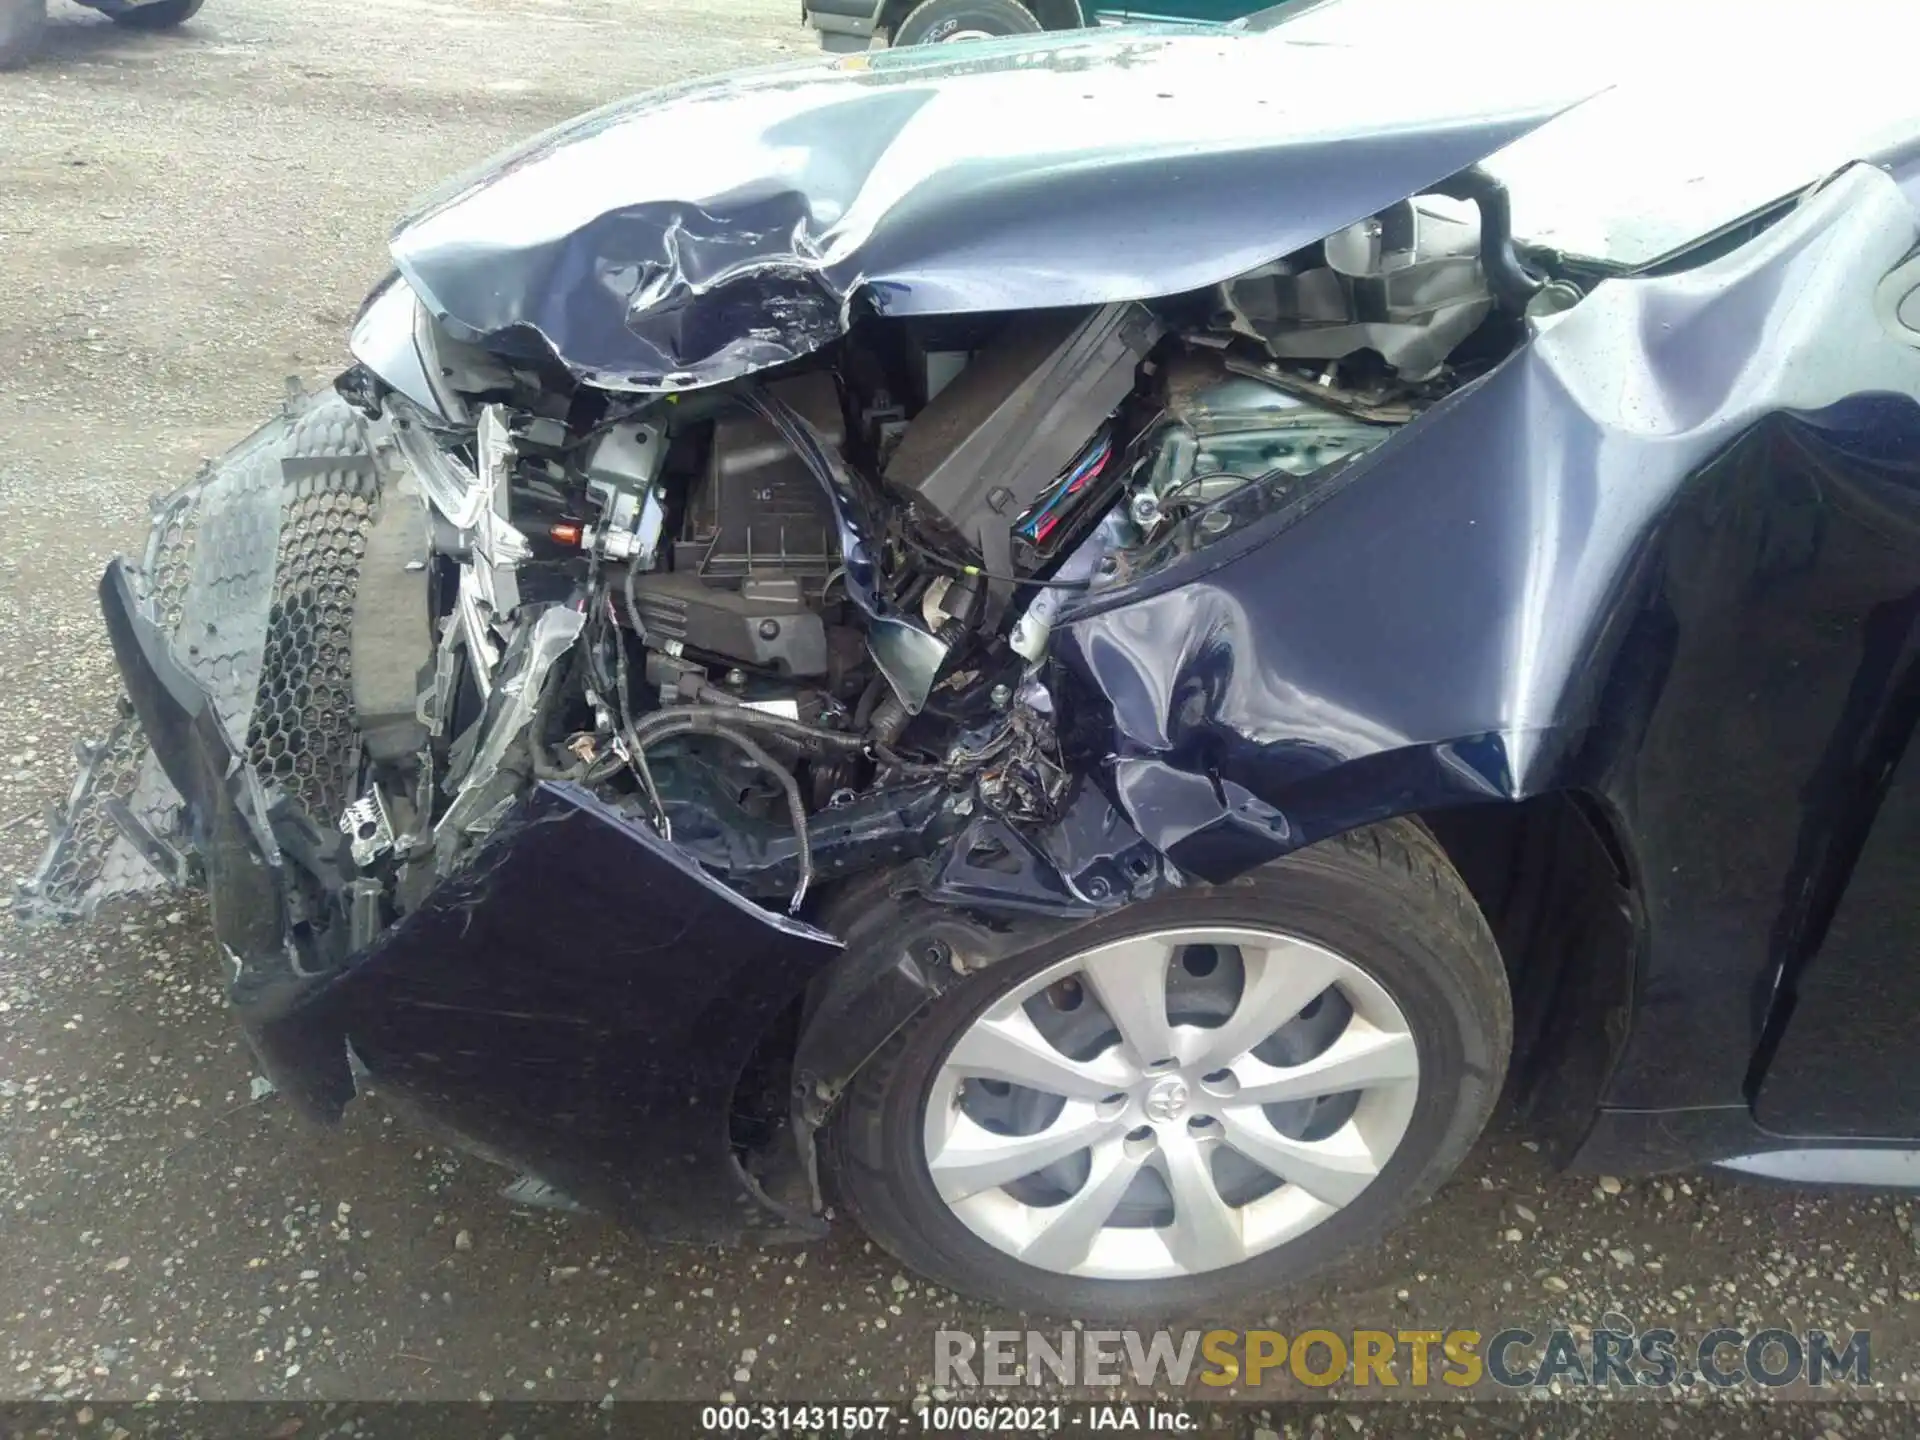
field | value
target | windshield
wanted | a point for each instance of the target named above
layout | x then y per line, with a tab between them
1719	110
1717	107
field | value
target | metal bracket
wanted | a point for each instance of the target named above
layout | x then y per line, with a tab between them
368	828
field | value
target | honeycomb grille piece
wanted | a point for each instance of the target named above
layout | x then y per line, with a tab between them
228	548
88	859
169	562
250	569
302	734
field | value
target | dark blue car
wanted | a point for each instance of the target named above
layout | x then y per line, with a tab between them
1087	645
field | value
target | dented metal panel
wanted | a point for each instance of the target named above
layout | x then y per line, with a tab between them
1636	560
604	1066
723	226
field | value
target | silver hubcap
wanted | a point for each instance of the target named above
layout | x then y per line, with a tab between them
967	35
1170	1104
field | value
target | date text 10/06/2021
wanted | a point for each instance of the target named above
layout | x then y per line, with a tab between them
959	1418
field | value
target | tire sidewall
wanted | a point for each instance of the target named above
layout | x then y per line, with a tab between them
157	14
1317	898
949	16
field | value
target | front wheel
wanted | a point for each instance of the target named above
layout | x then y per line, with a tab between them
156	14
940	22
1203	1097
22	23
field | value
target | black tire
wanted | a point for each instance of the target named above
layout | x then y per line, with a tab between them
22	23
1385	898
157	15
936	22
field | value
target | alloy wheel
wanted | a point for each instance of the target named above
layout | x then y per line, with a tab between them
1170	1104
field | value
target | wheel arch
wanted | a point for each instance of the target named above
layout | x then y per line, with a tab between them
1554	877
1052	14
899	956
1551	874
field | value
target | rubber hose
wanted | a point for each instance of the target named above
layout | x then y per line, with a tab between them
1512	284
744	717
910	768
869	697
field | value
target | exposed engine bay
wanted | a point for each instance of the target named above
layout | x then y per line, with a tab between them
799	626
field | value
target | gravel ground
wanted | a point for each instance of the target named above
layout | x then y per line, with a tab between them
188	219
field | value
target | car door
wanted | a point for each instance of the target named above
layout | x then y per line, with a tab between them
1838	1054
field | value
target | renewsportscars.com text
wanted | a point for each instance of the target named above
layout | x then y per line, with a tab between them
1511	1357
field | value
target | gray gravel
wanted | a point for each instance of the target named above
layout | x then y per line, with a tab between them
185	221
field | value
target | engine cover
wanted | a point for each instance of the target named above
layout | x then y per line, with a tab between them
764	621
756	547
759	511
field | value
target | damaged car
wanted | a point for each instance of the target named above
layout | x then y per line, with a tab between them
1085	695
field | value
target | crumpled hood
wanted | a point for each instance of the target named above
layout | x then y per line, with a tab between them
715	228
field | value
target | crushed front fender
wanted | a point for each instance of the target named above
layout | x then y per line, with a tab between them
604	1066
1643	560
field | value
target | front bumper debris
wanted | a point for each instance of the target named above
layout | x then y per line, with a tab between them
245	587
601	1067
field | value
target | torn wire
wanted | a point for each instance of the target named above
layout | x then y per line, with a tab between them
1040	521
703	722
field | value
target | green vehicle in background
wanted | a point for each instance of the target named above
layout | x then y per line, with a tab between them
855	24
